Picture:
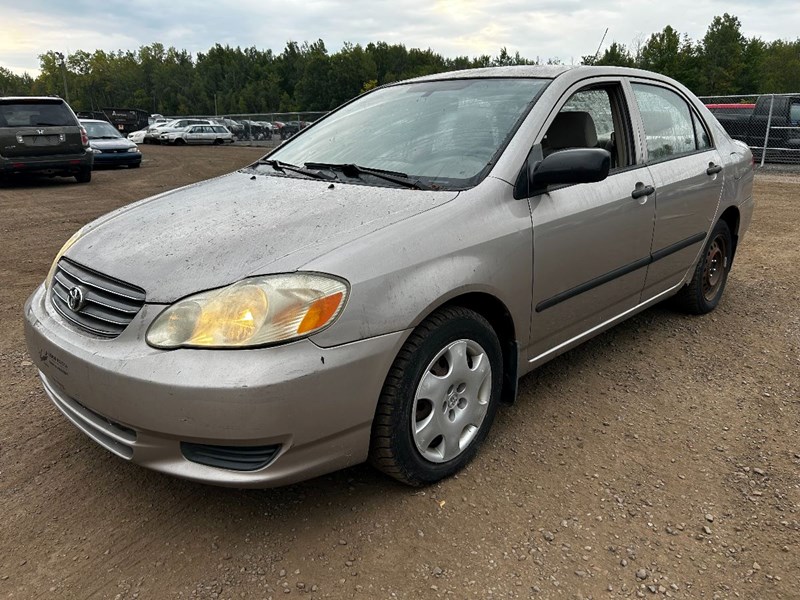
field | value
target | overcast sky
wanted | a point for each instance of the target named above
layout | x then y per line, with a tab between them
566	29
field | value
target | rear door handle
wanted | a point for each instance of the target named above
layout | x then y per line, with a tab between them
713	169
640	192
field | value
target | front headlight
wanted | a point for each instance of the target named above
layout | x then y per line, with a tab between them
67	245
253	312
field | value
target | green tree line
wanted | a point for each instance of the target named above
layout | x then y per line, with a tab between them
307	77
724	62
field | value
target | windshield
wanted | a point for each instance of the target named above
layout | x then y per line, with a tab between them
100	130
443	133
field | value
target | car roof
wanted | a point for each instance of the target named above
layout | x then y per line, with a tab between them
51	99
540	72
93	121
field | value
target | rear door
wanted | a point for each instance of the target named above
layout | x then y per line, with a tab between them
591	241
39	127
687	175
194	135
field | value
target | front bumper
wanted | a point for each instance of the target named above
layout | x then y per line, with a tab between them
316	403
117	158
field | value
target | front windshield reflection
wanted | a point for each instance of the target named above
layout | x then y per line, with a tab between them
441	132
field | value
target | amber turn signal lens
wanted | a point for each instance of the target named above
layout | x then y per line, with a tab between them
320	312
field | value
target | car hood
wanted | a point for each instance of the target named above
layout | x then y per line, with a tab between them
219	231
115	144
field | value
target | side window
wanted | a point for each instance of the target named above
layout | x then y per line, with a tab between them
701	133
668	125
592	118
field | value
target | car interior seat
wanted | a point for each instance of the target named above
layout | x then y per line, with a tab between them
572	129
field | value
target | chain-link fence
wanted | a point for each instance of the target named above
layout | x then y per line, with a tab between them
768	123
263	129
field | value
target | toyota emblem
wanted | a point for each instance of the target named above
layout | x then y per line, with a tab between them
76	299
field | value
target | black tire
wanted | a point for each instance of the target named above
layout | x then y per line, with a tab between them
393	449
84	175
135	165
218	142
180	142
705	289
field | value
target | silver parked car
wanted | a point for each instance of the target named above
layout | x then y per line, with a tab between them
198	134
374	288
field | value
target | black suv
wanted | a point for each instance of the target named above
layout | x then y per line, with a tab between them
42	135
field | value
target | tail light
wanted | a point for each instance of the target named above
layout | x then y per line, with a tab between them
84	138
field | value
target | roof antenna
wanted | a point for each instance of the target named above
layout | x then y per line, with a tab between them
601	44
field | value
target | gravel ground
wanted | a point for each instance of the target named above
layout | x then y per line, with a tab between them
659	459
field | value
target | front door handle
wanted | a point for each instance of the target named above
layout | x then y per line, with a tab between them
713	169
640	192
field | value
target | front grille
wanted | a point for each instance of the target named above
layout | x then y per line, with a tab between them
107	305
235	458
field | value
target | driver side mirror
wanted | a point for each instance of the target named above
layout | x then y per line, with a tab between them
565	167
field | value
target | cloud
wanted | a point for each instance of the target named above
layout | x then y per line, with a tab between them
566	29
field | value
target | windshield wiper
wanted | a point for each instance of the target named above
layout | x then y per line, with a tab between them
283	167
353	170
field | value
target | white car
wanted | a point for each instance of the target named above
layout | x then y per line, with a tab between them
154	132
137	137
198	134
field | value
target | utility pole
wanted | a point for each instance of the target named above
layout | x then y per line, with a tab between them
60	57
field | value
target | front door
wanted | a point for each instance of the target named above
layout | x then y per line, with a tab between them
591	242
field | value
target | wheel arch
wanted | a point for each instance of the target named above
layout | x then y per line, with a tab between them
732	218
495	311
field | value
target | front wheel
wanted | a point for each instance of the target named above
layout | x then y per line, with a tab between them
439	399
705	289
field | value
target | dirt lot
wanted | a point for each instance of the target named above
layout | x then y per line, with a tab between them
661	458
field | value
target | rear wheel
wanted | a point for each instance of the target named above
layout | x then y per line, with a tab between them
218	142
84	175
439	399
705	289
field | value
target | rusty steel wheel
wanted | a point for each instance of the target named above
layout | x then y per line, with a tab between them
714	267
702	294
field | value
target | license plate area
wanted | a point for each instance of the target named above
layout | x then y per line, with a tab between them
42	140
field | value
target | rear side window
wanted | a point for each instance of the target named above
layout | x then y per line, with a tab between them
667	120
29	114
703	139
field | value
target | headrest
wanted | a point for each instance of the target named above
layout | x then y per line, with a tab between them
572	130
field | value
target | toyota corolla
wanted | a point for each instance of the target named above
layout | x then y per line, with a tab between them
374	288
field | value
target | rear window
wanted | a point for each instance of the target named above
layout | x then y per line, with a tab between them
29	114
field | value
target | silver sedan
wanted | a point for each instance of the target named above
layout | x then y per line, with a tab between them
374	288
